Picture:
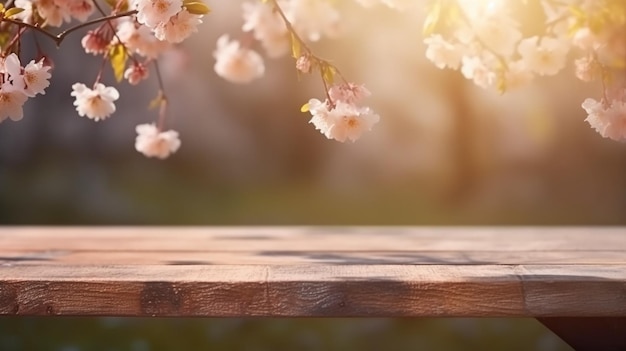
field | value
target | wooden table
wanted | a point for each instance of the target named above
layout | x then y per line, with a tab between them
572	279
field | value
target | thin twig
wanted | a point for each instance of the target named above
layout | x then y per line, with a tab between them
58	39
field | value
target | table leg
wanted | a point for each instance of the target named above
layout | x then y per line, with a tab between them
589	333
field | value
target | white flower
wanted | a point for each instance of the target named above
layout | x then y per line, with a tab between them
350	122
586	69
313	18
237	64
343	122
11	66
136	73
585	39
304	64
348	92
25	16
140	39
95	42
475	69
545	57
320	113
152	12
442	53
498	34
53	14
178	27
262	20
36	78
609	118
267	27
154	143
94	103
80	9
11	102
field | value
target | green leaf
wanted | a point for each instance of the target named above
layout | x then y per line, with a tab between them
196	7
114	4
305	108
432	18
13	11
296	50
118	57
328	73
156	102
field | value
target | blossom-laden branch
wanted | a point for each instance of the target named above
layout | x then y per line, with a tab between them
486	40
483	40
140	34
286	26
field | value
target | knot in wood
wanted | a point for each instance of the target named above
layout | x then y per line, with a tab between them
160	298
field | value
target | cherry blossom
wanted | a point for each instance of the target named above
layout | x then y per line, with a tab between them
96	103
95	42
349	93
178	28
544	57
136	73
341	118
139	39
342	122
442	53
153	12
236	63
608	117
304	64
313	19
36	78
267	26
11	101
154	143
475	68
26	15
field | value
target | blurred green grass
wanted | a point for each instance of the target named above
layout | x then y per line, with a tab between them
137	334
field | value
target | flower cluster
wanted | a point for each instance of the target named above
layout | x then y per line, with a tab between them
133	35
170	20
54	12
273	24
608	116
18	83
488	46
486	42
339	117
284	26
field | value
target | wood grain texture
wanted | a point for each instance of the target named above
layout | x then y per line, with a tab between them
300	271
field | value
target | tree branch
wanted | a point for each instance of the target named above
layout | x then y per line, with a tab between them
58	39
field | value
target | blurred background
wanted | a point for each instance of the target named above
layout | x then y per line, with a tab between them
444	153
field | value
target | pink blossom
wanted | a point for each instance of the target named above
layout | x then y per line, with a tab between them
609	117
96	103
154	143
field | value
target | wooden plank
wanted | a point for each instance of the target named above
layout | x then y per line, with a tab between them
312	239
310	290
299	271
19	257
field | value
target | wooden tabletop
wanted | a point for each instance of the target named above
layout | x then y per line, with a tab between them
313	271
